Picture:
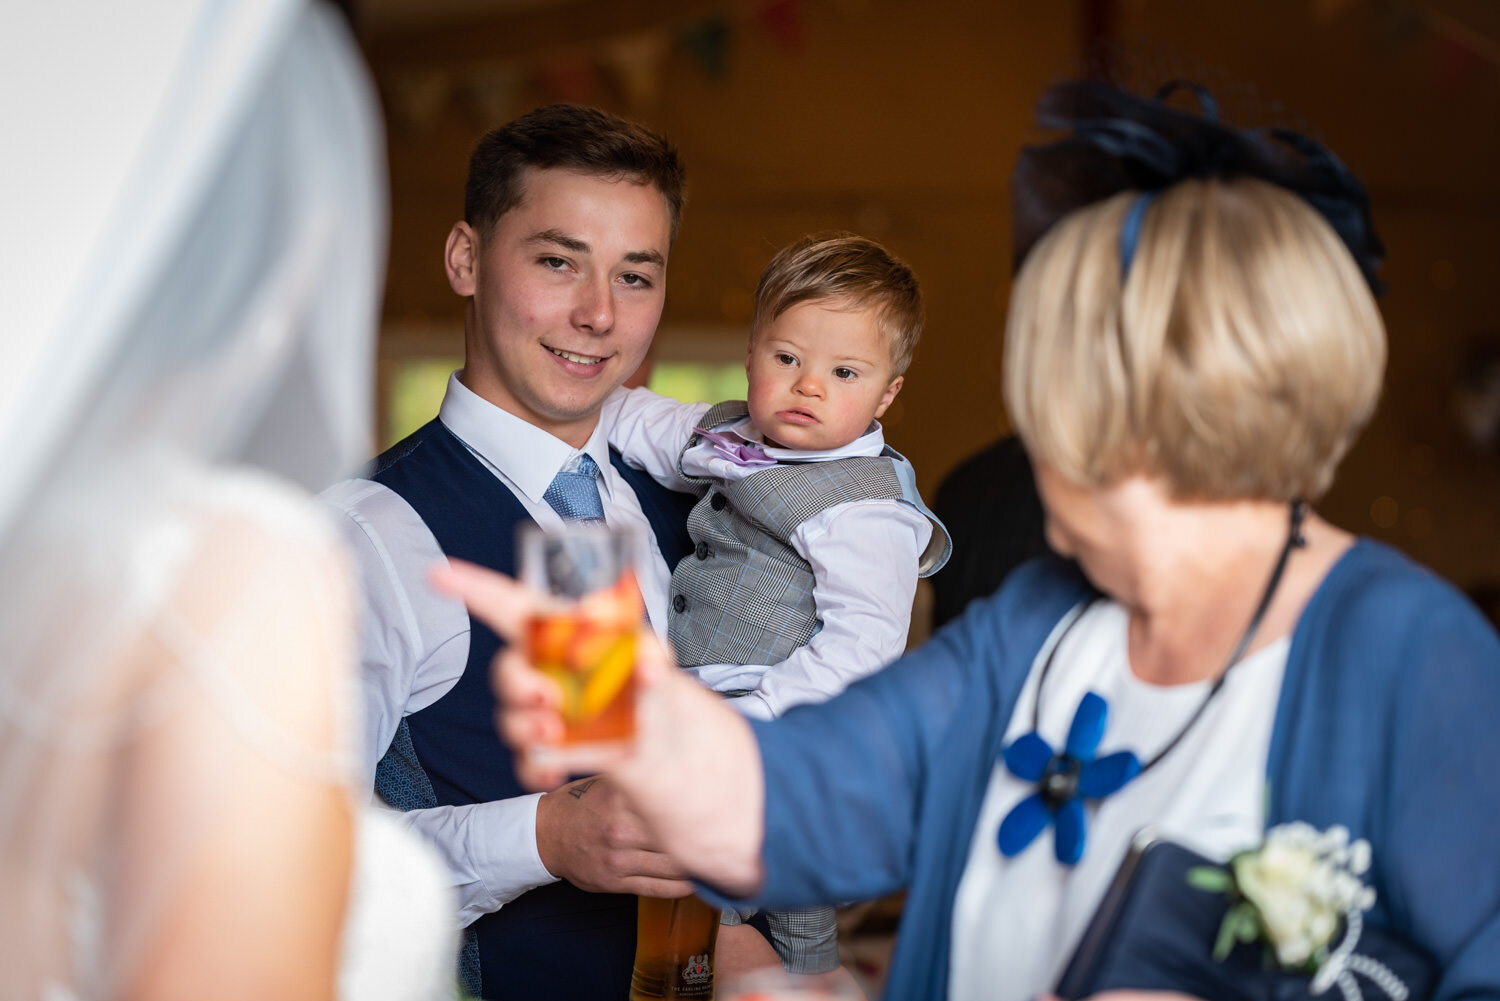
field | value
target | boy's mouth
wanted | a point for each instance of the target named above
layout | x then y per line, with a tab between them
574	357
797	416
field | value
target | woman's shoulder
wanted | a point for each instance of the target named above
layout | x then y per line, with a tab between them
1377	587
1378	606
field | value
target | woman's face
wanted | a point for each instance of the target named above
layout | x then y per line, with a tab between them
1099	526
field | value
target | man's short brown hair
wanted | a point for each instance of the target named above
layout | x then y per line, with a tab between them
566	137
850	272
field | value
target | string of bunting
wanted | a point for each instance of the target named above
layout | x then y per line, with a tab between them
629	66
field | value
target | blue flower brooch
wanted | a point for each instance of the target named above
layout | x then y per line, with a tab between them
1064	781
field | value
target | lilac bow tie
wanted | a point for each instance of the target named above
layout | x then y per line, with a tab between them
734	449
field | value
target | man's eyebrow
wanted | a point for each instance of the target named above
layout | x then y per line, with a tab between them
558	238
645	257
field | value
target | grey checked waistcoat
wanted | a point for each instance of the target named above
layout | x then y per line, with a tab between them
743	595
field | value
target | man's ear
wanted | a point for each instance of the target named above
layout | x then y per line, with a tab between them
460	256
890	395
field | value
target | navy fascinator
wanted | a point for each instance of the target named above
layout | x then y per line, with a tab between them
1118	141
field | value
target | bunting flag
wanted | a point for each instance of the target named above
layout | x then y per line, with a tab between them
1331	10
1456	64
783	20
707	41
568	76
491	93
636	62
415	98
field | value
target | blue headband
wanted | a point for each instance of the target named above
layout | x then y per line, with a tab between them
1130	231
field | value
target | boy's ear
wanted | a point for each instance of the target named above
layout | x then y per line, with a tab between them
460	255
890	395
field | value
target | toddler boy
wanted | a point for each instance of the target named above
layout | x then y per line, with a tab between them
810	534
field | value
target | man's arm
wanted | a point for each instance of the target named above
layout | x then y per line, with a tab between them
649	431
414	646
864	559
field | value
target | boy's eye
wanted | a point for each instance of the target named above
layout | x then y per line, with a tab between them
844	373
785	358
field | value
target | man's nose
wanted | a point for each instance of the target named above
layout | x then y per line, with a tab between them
595	308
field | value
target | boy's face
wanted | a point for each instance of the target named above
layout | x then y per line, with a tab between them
564	296
819	375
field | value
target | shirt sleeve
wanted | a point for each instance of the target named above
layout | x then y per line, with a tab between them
650	430
864	558
414	646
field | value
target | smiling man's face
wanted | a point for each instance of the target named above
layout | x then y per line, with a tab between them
564	296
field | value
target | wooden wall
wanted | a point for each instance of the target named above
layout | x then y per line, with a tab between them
901	121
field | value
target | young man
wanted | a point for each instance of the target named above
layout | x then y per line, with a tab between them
569	218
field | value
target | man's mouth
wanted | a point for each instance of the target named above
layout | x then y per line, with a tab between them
576	359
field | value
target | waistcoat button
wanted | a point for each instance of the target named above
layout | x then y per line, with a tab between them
718	502
679	603
703	552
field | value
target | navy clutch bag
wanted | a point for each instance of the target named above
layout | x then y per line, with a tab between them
1155	931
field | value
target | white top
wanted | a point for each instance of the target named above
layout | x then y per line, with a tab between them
864	555
414	642
1017	921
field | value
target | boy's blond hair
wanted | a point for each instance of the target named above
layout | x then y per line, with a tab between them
1239	358
845	271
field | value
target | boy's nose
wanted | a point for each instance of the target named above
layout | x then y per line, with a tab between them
595	309
807	385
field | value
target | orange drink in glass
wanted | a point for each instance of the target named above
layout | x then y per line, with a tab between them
583	636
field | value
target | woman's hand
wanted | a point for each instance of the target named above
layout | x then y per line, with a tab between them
693	773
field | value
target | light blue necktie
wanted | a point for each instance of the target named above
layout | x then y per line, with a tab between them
574	494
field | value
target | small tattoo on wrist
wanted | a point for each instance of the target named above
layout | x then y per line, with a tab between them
577	791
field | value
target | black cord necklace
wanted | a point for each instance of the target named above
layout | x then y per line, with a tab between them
1067	778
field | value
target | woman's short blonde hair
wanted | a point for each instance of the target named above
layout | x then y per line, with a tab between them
1239	358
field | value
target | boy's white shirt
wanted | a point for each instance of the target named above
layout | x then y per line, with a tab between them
863	555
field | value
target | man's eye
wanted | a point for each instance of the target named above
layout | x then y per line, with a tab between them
844	373
554	263
635	281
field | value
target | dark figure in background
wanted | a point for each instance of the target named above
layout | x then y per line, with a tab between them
990	505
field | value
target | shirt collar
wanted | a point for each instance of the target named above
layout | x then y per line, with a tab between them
872	442
520	451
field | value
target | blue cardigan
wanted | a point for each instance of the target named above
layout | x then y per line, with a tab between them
1388	723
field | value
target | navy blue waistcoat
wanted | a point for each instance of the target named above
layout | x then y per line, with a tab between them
555	942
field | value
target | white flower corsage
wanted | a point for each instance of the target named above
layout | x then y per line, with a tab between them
1294	894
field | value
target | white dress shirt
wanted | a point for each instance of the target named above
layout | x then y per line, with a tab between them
863	554
414	642
1017	921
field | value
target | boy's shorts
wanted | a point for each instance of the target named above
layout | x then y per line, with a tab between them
806	939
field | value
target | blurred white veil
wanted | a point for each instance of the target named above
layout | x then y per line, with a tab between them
192	234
